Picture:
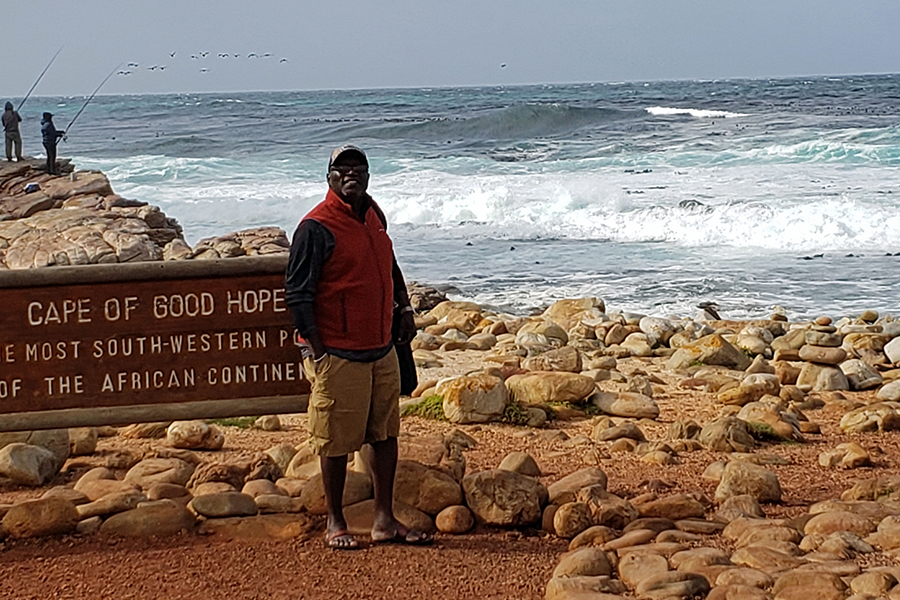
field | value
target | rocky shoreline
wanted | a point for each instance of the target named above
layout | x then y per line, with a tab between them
677	457
77	219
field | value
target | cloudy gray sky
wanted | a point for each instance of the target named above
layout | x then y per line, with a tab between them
406	43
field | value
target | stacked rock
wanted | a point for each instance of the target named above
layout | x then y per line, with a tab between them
822	353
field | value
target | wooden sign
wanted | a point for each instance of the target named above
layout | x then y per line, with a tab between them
207	336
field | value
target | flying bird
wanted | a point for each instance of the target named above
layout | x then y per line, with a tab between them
251	55
193	56
124	73
162	67
267	55
153	68
203	54
204	70
133	64
503	65
237	55
172	54
222	54
283	60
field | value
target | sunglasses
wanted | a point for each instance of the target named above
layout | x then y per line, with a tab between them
346	169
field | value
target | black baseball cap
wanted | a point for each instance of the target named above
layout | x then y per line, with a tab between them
338	152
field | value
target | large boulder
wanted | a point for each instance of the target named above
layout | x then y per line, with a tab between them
826	523
425	489
498	497
741	477
880	416
78	235
158	519
361	517
520	462
890	391
35	518
783	423
583	561
568	312
823	355
674	507
710	350
194	435
223	504
566	359
357	487
638	344
166	470
442	309
94	489
822	378
572	518
657	329
848	455
892	350
233	475
625	404
26	464
541	387
473	398
54	440
884	488
860	374
83	440
542	329
111	504
567	488
728	434
281	455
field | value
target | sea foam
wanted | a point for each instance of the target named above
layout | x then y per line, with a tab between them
694	112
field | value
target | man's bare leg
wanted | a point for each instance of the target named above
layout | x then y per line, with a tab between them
383	466
334	474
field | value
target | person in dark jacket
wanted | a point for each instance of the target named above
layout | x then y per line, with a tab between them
51	137
342	284
11	120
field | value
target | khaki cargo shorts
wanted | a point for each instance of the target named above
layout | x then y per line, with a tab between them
352	403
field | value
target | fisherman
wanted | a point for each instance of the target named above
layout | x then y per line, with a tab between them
11	120
51	138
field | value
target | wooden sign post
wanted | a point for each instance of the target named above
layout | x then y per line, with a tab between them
153	341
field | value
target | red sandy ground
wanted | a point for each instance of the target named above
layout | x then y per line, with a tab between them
484	564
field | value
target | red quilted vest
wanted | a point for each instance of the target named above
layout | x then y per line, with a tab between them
355	294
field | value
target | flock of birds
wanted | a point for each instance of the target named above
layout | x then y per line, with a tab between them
198	56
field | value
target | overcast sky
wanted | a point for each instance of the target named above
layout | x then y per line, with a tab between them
423	43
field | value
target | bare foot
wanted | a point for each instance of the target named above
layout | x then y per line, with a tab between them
341	539
396	533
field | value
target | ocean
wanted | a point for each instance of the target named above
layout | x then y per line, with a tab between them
654	196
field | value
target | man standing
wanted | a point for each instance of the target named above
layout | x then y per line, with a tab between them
50	136
11	120
342	283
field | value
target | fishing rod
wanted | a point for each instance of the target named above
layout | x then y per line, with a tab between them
69	126
38	80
